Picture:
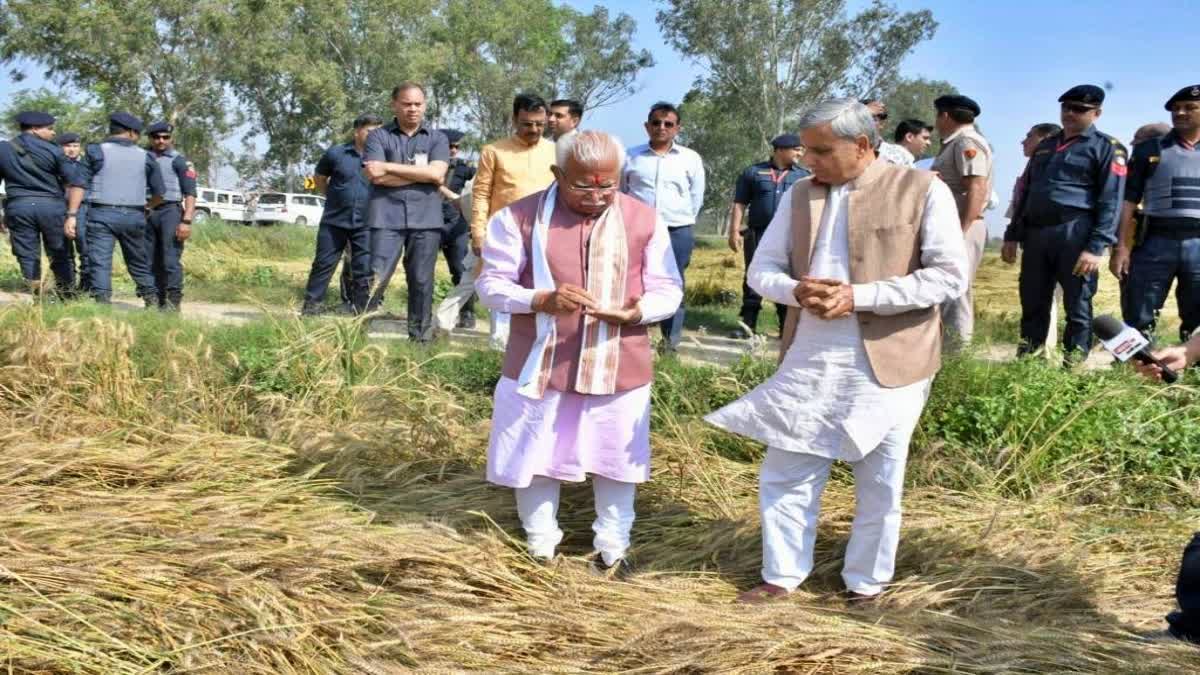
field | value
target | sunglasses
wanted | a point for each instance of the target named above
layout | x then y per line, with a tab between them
881	116
1077	108
160	137
454	146
666	124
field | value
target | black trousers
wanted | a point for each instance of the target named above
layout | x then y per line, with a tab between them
331	241
165	252
751	301
420	250
34	223
1185	624
455	244
1049	258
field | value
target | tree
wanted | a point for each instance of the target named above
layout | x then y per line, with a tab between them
304	70
82	117
503	47
912	98
154	58
765	61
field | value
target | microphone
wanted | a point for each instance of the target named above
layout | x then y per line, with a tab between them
1125	343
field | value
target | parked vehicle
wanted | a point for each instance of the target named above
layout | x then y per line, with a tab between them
288	207
227	205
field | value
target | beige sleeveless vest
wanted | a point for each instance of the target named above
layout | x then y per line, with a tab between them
884	216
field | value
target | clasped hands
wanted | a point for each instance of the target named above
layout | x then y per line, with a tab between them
827	298
569	298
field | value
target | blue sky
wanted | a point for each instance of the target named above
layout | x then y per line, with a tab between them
1016	67
1015	58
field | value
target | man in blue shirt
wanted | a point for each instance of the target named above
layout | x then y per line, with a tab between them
759	189
170	224
34	170
117	176
405	161
339	177
1066	219
670	178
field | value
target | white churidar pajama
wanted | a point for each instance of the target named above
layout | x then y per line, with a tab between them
535	444
824	403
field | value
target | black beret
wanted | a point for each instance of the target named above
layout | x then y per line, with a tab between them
67	138
1191	93
160	128
453	135
124	119
1087	94
35	118
785	141
957	102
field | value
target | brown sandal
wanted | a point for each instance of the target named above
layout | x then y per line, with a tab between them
763	593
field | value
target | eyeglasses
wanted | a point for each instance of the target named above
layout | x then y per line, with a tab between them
454	146
602	191
1077	108
881	116
666	124
160	137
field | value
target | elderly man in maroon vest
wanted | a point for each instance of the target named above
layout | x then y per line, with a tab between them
864	253
583	269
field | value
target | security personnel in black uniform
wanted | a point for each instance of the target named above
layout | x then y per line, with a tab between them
760	188
456	238
170	223
1164	176
76	248
35	171
1066	219
117	175
343	223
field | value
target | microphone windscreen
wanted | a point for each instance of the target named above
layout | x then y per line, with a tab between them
1107	326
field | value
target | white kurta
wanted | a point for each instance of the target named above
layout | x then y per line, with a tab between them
824	399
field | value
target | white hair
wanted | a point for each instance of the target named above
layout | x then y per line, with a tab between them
847	117
588	148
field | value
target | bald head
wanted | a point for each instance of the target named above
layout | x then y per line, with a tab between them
1148	131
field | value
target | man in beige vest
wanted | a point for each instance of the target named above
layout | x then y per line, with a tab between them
863	253
965	164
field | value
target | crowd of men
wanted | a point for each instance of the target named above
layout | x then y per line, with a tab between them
79	203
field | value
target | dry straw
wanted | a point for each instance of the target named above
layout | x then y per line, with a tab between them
169	520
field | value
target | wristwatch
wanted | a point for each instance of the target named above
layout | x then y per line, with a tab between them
186	222
72	214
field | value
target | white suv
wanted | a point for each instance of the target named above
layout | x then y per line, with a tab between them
227	205
287	207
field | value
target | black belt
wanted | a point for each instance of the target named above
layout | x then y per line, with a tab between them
118	207
1172	228
164	205
45	198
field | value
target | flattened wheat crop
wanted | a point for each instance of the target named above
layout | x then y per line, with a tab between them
290	498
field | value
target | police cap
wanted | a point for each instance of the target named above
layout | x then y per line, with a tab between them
1191	93
35	118
67	138
160	128
1087	94
785	141
956	102
453	135
125	120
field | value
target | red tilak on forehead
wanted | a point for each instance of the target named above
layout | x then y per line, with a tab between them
596	179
